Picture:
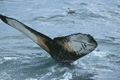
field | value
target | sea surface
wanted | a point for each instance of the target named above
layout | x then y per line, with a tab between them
22	59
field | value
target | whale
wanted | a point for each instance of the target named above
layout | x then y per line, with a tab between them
64	49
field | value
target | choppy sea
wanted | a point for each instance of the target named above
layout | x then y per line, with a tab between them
22	59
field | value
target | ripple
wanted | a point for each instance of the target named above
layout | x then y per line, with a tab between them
56	16
114	13
118	6
113	57
83	4
12	37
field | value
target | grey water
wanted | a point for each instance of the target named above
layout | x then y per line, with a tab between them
22	59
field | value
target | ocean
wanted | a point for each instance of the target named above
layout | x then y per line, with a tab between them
22	59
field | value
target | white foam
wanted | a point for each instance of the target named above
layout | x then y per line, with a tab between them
31	79
100	53
9	58
67	76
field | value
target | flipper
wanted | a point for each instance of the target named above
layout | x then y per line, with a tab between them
74	46
63	49
39	38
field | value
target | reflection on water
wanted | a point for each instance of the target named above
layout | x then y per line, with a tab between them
22	59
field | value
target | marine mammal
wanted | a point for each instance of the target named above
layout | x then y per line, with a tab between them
65	49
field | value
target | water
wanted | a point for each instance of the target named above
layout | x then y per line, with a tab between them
22	59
